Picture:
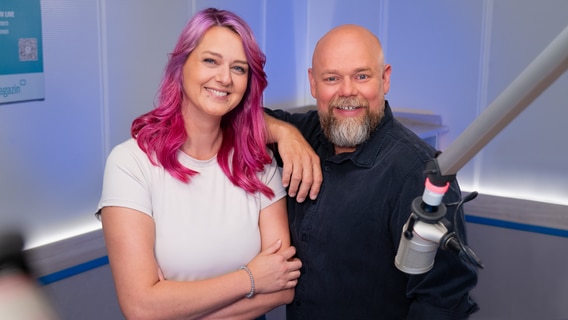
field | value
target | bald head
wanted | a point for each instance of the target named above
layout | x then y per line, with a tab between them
348	37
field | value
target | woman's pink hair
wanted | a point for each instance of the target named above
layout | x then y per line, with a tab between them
161	132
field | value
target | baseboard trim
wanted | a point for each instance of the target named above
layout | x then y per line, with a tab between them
517	226
72	271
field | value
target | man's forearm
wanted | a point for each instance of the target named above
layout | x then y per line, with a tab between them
301	171
277	129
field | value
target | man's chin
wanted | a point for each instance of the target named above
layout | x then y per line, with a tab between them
349	136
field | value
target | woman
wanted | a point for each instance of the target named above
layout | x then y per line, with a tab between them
193	208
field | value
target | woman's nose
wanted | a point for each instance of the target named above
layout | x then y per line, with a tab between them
223	75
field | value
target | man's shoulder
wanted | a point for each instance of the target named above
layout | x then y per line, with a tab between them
298	115
306	121
403	140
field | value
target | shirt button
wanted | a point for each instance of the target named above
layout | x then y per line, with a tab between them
298	303
326	168
304	237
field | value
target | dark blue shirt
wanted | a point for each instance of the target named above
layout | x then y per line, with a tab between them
347	239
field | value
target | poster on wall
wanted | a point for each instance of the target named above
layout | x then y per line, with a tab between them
21	59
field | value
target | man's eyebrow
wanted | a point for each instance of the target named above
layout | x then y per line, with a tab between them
335	71
363	69
328	72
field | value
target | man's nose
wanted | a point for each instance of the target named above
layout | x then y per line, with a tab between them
347	88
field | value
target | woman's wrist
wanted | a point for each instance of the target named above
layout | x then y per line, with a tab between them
251	293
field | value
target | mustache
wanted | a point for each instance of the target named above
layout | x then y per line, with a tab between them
342	102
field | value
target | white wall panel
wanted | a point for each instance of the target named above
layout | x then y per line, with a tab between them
434	50
51	149
527	159
287	54
138	38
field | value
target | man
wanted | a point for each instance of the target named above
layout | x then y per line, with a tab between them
373	168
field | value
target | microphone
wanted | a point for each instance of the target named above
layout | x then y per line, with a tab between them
426	230
423	231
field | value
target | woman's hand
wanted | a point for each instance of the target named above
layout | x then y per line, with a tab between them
275	270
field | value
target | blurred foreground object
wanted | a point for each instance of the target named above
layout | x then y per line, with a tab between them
20	296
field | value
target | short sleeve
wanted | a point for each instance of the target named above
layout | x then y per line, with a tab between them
272	177
125	182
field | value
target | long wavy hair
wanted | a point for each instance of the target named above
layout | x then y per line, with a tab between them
161	132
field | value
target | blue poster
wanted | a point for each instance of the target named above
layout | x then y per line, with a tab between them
21	59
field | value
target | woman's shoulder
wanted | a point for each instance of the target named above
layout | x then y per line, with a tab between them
128	149
128	146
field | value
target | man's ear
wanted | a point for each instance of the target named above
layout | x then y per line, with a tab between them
312	82
386	78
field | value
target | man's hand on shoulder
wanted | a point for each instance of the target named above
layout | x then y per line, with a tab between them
301	171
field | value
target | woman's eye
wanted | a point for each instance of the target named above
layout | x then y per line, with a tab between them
240	69
209	60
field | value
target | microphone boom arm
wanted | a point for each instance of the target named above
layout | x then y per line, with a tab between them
550	64
425	230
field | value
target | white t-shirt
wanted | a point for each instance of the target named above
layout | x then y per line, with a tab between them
204	228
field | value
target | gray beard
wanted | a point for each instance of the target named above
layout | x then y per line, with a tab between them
350	132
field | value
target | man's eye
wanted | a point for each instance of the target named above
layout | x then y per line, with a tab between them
330	79
362	77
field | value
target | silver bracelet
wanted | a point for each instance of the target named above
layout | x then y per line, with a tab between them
251	293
